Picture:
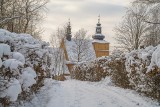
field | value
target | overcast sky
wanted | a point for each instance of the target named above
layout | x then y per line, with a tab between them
84	14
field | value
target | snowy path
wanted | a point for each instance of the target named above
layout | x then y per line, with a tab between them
73	93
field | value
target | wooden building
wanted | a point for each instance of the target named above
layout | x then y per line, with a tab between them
101	46
68	35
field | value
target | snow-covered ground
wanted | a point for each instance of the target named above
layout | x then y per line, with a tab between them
73	93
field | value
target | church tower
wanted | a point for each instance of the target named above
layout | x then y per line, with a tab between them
98	34
101	46
68	31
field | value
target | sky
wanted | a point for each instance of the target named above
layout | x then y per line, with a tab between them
84	14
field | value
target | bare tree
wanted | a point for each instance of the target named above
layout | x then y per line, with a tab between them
131	32
152	4
153	37
58	56
57	37
152	19
148	1
81	46
22	16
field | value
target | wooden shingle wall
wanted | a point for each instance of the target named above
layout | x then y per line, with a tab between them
101	49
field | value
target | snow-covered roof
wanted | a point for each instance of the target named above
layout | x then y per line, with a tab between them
99	41
98	36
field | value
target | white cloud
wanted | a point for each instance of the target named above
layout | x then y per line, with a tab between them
71	8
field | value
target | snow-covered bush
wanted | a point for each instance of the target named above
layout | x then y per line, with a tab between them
18	56
90	71
4	54
11	67
155	60
37	53
14	78
4	50
27	79
138	70
10	89
118	70
0	63
143	71
113	65
24	63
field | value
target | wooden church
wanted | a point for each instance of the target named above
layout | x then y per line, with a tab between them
98	46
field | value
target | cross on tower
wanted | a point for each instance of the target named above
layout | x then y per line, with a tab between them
69	21
99	17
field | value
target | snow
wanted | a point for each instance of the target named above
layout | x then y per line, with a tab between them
28	78
4	50
70	93
18	56
73	93
66	69
30	46
0	63
3	35
14	88
97	34
99	41
21	53
13	65
150	56
34	51
155	61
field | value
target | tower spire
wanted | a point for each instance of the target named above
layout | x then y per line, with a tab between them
98	34
68	33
